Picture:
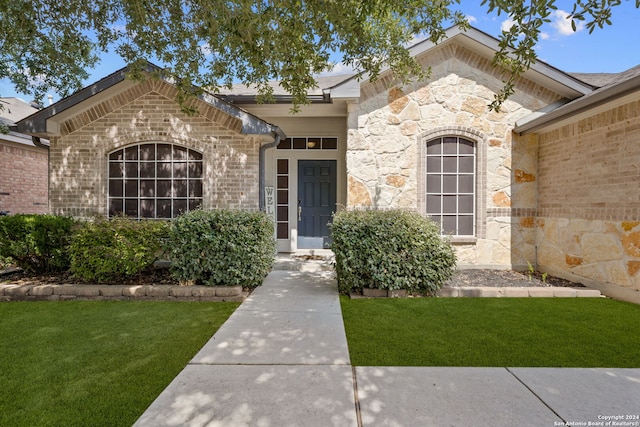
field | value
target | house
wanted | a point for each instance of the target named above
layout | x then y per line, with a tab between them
552	179
23	165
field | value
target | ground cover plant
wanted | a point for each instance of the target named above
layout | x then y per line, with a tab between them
493	332
95	363
390	249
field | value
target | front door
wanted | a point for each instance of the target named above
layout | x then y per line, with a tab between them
316	202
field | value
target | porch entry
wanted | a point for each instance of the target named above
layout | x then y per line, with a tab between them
316	202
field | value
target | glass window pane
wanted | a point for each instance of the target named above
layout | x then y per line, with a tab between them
433	204
283	167
116	170
163	169
147	208
163	208
314	143
283	182
195	204
131	208
449	184
465	204
284	144
131	153
147	188
450	164
449	225
466	146
164	188
283	230
195	170
179	153
465	183
450	145
194	155
115	188
436	218
180	188
117	155
131	188
131	169
179	207
147	170
433	164
465	225
299	143
449	204
283	197
329	143
180	170
465	164
434	183
116	207
195	188
148	152
164	152
434	147
283	213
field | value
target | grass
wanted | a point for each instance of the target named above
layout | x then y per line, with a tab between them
97	363
493	332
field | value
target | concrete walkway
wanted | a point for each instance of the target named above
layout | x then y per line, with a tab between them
281	359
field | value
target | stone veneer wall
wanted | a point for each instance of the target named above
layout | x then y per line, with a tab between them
147	112
23	178
589	201
388	130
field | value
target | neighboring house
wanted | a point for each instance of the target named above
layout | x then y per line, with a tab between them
23	165
552	179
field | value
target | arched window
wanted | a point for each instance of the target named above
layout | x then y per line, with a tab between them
451	184
154	180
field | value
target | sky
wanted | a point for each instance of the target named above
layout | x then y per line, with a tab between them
610	50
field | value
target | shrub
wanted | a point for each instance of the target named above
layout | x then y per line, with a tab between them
222	247
36	243
390	250
106	251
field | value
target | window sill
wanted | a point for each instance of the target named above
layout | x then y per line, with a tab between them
460	240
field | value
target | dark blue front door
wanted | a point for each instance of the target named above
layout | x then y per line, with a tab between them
316	202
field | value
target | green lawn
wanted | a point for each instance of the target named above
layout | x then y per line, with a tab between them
560	332
95	363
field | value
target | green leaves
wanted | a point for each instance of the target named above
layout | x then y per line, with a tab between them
389	250
222	247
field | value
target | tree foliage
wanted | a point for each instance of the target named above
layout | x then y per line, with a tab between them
203	43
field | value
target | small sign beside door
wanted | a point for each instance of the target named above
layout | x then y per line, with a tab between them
270	201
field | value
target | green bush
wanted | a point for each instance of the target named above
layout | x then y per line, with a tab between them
222	247
390	250
106	251
36	243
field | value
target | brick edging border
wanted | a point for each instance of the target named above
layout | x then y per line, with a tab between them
14	292
492	292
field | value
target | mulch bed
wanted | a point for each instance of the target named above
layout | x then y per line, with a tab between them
473	277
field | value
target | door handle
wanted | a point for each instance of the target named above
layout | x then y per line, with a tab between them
299	213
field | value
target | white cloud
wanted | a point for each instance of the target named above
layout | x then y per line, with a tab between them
506	25
545	36
563	25
337	70
471	19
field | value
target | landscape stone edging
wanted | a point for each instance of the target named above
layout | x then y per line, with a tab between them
491	292
33	292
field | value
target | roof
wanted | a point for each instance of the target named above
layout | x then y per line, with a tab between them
15	109
36	124
620	85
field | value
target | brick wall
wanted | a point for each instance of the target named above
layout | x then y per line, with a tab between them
589	199
23	178
147	113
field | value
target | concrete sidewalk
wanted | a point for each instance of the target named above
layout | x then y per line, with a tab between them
281	359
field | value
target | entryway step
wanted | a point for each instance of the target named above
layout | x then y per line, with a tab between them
309	260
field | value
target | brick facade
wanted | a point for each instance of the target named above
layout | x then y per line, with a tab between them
147	112
589	199
23	178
